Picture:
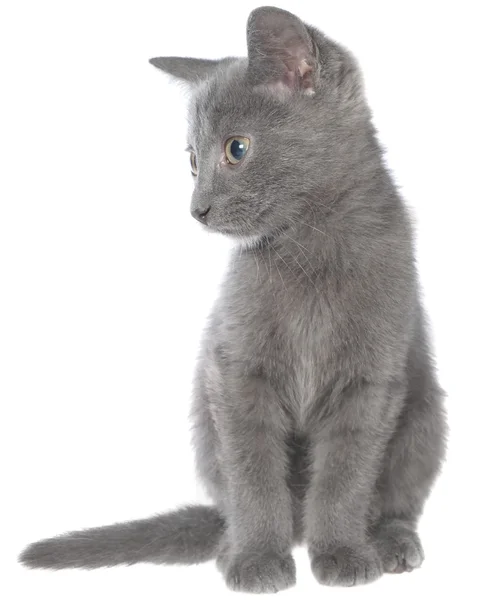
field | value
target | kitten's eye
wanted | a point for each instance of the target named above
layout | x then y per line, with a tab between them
194	164
235	149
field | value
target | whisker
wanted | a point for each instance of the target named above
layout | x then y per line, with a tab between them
308	225
256	261
287	263
304	271
301	248
270	267
317	202
279	272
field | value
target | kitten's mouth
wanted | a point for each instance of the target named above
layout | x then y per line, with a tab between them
238	232
258	233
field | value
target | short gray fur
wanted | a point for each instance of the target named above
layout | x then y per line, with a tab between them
317	414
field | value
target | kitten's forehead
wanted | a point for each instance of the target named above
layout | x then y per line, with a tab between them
223	84
217	99
227	104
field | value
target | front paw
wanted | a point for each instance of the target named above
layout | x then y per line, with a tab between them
399	548
346	565
260	573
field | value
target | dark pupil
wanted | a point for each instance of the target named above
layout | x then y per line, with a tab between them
237	149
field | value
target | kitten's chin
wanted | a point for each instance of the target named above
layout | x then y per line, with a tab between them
248	241
244	240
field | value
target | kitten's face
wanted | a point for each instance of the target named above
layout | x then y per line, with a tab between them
253	158
270	133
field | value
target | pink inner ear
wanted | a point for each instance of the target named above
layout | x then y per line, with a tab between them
304	68
298	76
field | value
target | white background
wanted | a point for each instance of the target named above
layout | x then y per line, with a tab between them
106	280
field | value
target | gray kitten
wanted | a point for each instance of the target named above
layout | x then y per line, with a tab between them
317	413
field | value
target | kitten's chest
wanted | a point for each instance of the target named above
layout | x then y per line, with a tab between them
300	353
285	329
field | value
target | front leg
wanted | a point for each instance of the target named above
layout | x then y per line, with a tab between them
251	428
347	453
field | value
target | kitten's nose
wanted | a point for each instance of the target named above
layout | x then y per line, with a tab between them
200	213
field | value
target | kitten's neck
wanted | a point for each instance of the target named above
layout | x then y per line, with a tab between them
330	232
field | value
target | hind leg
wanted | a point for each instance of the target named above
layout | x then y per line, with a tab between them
412	463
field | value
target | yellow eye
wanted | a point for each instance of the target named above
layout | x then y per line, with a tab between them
235	149
194	164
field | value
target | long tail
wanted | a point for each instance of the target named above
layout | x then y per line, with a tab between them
187	536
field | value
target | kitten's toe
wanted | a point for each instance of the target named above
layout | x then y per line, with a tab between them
261	573
399	548
346	566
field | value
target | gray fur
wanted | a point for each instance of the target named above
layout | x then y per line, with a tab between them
192	70
185	536
317	412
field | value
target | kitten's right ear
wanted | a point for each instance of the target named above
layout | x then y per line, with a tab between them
190	70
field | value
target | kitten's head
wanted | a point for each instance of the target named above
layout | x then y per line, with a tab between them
273	133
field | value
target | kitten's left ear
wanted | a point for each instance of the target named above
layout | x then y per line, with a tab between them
281	53
190	70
